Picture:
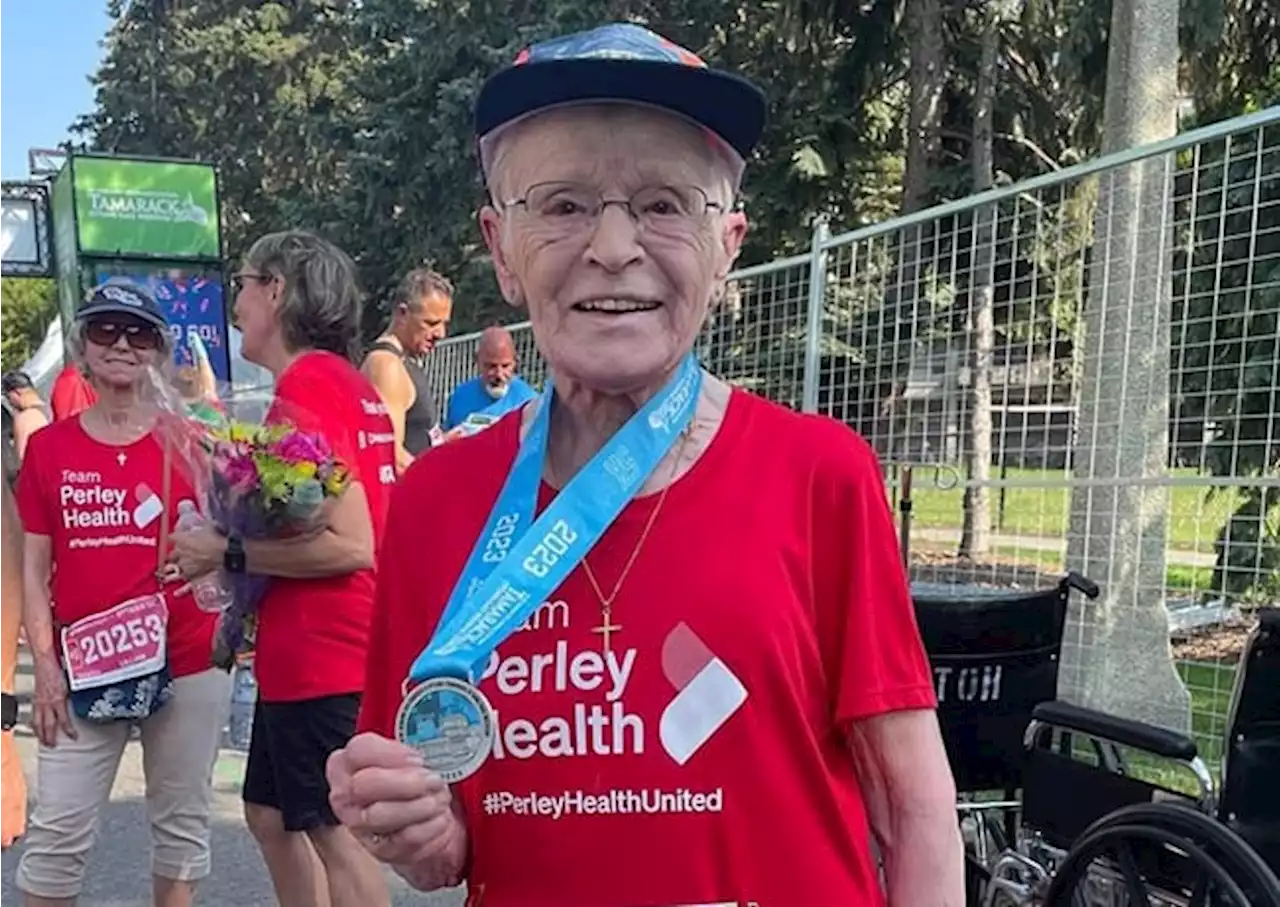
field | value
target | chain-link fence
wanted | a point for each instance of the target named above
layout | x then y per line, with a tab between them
1082	371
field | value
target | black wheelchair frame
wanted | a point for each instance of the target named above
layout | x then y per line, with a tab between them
1073	823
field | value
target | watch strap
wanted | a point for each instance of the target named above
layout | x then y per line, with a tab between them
233	560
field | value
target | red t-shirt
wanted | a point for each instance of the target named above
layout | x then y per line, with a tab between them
101	505
71	395
768	607
313	633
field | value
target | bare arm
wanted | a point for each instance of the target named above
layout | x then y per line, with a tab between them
37	615
387	373
11	578
343	546
911	805
26	424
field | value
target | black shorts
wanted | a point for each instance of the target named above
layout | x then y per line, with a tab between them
287	753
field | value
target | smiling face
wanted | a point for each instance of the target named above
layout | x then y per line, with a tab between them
119	348
615	301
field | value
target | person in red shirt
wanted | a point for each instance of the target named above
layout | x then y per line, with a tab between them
714	698
72	393
298	310
98	494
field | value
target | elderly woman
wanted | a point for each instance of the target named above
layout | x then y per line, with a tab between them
98	497
696	677
298	311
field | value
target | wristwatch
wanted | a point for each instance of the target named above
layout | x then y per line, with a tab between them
233	559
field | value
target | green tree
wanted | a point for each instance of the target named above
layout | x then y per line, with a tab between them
264	91
28	307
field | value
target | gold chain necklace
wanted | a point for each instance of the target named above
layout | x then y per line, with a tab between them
607	627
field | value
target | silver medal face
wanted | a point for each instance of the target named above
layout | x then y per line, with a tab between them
450	723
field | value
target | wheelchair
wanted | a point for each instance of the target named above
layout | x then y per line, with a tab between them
1058	803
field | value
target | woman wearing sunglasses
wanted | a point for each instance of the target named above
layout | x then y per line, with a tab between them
113	648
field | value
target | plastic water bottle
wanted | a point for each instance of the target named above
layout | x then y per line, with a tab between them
244	695
208	591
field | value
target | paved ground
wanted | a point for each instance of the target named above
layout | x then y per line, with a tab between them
119	874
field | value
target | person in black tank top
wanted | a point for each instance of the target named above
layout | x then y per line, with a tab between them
421	416
420	311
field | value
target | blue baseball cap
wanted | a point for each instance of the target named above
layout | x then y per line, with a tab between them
123	299
623	62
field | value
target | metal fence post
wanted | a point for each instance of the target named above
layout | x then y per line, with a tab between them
813	323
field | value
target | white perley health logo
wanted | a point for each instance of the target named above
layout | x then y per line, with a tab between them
708	694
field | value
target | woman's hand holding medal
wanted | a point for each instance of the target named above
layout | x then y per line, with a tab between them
400	810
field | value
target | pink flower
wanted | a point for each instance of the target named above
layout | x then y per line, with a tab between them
240	472
297	447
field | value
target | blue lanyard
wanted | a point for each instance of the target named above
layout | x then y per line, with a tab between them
515	566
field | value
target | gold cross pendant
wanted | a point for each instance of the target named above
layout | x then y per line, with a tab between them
606	630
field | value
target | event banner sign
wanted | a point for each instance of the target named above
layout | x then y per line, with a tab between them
192	303
65	260
157	209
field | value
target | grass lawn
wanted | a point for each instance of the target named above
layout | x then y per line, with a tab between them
1210	685
1195	517
1181	577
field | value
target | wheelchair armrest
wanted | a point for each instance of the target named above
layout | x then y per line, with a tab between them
1081	583
1161	742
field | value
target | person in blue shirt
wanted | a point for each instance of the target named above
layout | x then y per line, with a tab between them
497	389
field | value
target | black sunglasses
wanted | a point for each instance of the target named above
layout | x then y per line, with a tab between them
139	336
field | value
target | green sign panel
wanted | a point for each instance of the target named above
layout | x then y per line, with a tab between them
156	209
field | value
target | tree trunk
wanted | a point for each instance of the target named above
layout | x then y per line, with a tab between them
1117	532
975	534
927	79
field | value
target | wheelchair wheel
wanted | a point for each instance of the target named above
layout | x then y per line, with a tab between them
1170	850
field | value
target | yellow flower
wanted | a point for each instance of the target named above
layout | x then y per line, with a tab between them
336	482
243	433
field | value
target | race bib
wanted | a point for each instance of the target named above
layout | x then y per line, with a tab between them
119	644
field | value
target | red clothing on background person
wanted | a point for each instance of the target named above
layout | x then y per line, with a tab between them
100	505
756	606
72	393
313	633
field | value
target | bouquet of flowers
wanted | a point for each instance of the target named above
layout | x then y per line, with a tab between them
266	479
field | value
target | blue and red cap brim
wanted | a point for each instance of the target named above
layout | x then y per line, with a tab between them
624	63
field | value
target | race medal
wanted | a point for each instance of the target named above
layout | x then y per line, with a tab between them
450	723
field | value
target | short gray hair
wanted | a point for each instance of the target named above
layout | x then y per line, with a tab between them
322	299
419	284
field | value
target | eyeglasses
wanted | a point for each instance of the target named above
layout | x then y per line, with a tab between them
107	333
238	281
567	209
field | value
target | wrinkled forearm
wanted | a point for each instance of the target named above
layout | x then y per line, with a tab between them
37	620
309	557
924	859
445	867
910	798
